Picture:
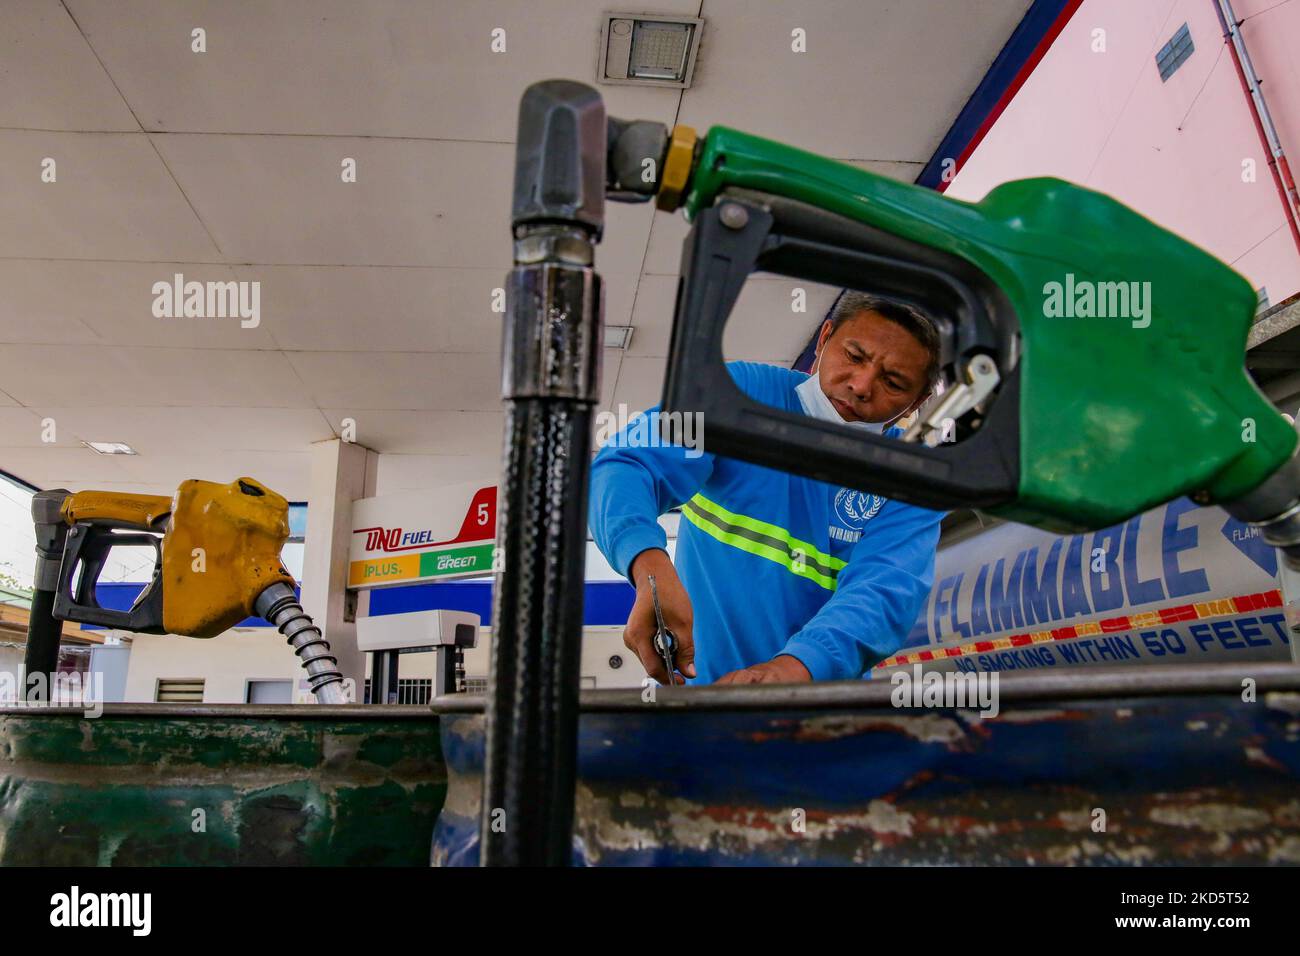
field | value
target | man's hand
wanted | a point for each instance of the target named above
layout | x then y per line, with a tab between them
782	669
678	614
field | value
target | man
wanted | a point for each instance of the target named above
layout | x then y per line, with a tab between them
783	578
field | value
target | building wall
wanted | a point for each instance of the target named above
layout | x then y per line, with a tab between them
11	664
1173	150
225	662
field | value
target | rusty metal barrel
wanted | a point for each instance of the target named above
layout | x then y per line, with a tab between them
1101	765
178	784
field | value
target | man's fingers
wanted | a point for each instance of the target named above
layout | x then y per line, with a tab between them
642	645
769	672
654	667
745	676
684	660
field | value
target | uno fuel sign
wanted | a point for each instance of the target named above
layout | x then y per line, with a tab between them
424	536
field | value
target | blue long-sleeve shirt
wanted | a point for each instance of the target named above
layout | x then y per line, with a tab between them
774	563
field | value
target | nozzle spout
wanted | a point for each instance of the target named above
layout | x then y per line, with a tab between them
279	605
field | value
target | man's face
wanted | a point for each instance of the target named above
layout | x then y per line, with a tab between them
871	369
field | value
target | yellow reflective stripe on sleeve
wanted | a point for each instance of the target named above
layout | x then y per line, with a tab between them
765	540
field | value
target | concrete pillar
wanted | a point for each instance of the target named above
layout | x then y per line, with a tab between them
341	472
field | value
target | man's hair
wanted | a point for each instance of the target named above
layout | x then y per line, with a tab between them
852	304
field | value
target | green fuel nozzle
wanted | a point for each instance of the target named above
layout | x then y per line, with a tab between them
1094	361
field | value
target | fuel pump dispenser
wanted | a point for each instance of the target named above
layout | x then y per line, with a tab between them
447	634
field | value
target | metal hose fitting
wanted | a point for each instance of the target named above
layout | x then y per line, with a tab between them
1283	532
1274	508
279	605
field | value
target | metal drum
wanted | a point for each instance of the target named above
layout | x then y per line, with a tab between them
1118	765
178	784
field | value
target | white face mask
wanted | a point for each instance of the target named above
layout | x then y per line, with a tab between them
816	403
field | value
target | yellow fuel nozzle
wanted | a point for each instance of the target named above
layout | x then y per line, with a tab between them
116	509
217	562
221	550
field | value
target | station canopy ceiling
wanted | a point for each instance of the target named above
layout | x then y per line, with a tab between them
375	299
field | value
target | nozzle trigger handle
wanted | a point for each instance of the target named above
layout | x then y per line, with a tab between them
87	548
746	232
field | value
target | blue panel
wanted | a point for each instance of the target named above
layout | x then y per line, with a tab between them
605	602
608	602
472	596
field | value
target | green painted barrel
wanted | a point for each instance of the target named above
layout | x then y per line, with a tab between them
176	784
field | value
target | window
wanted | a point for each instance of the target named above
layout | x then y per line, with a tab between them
269	692
179	690
1173	53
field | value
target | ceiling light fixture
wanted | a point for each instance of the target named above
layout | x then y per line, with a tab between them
110	447
648	49
618	336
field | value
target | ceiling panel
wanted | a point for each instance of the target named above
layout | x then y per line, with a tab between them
286	472
390	309
378	309
154	430
66	301
408	432
418	472
282	200
23	427
51	79
763	324
640	383
112	199
652	319
39	375
400	380
404	68
872	79
65	467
